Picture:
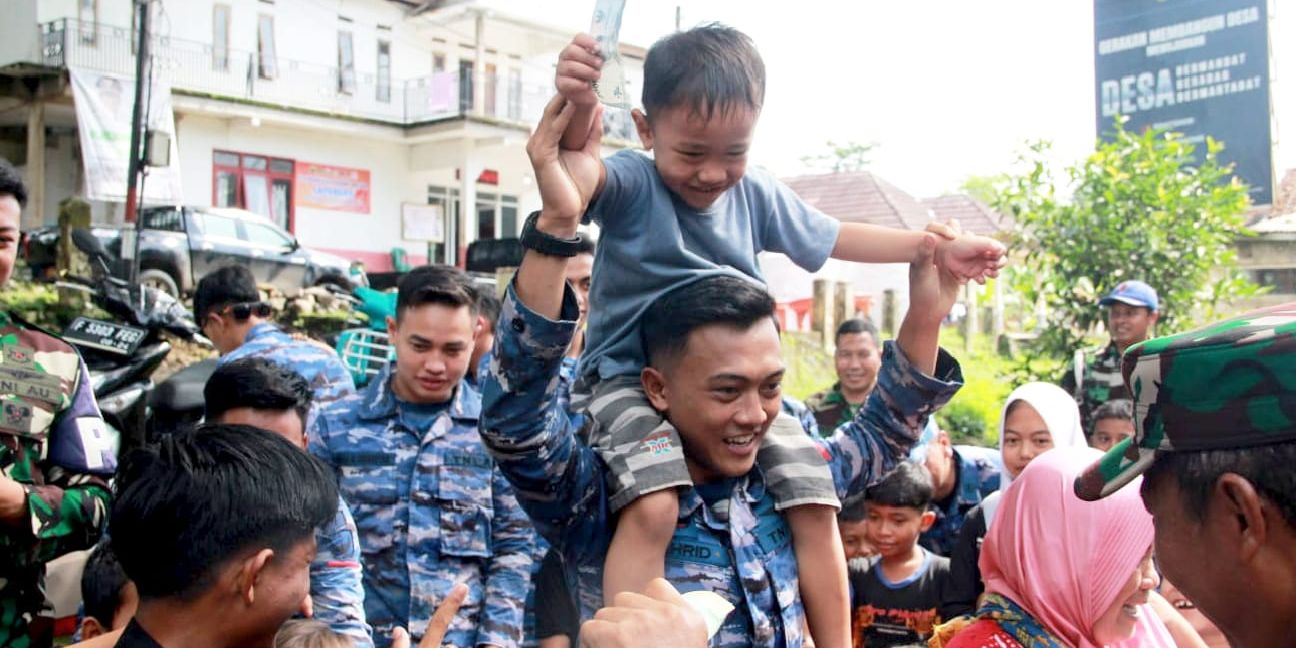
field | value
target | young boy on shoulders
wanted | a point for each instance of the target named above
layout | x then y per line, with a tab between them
896	595
695	210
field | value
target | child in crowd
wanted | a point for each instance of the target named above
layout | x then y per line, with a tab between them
1113	422
693	210
852	521
896	597
309	633
109	596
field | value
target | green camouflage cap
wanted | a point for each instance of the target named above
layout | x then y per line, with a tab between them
1227	385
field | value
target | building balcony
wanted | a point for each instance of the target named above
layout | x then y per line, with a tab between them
204	70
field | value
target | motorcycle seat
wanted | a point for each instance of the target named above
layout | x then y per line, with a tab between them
183	391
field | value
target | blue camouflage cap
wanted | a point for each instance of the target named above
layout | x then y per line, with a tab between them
1227	385
1134	293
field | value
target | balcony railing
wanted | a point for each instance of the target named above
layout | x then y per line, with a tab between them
199	68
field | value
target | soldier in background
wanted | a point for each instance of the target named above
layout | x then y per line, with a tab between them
857	358
229	309
1094	376
55	455
431	507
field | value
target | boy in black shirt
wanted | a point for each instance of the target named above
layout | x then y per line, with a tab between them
895	597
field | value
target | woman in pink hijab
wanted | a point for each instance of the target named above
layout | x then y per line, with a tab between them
1063	572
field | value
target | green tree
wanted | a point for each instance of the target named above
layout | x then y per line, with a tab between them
1142	206
984	188
842	158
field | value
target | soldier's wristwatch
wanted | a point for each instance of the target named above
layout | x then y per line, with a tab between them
547	244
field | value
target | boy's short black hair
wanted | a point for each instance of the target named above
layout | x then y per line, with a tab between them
187	505
11	183
908	484
436	284
854	509
231	284
708	69
856	325
257	383
102	582
1117	408
727	300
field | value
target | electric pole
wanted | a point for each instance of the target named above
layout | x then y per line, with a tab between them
137	115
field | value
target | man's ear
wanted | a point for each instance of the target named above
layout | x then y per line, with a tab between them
249	570
90	628
927	520
654	385
643	128
391	327
482	326
1241	510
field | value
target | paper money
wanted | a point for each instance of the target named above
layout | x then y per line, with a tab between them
711	606
605	27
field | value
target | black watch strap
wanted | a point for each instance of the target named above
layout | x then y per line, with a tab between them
546	244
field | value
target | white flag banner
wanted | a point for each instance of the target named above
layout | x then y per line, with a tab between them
103	110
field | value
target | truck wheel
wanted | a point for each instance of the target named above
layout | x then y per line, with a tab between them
159	280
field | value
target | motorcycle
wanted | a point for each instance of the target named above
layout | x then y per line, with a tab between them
121	355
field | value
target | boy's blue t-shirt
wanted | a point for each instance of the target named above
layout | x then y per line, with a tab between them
651	243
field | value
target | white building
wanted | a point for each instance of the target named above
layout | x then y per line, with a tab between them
411	103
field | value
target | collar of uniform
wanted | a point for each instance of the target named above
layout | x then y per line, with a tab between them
260	329
1111	351
380	401
835	396
752	487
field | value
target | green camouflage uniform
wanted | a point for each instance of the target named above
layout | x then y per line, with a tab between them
1227	385
53	442
1102	382
831	409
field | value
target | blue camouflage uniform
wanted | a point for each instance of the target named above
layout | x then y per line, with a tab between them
432	510
799	411
336	590
978	476
323	370
337	595
740	547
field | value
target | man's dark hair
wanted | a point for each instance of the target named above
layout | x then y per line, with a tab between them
725	300
1117	408
1267	467
187	505
436	284
853	510
709	69
908	484
224	286
102	581
11	183
488	306
257	383
856	325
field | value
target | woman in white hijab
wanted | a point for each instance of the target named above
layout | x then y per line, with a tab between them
1037	417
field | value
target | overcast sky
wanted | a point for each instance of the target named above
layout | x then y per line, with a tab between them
947	88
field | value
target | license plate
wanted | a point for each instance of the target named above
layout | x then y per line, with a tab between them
104	336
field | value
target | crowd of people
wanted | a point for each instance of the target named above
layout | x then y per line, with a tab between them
569	463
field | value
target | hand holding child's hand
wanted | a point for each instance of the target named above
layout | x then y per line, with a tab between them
969	257
579	66
567	179
932	289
